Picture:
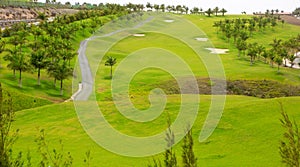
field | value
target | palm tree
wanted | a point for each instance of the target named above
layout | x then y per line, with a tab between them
39	61
162	7
149	6
223	11
186	9
17	61
60	71
178	8
216	10
111	61
195	10
209	12
169	8
156	7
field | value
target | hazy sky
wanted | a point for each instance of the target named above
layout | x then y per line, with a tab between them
233	6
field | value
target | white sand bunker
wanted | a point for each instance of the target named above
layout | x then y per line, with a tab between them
139	35
169	21
202	39
218	51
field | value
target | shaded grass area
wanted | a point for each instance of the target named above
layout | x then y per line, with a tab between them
21	101
247	135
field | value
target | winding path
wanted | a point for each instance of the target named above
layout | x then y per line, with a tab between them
87	82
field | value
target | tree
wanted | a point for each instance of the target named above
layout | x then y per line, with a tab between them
7	138
39	61
60	71
149	6
156	7
278	61
169	8
209	12
111	61
241	45
223	11
289	148
162	7
170	156
178	8
216	11
2	49
195	10
265	55
21	64
188	156
252	51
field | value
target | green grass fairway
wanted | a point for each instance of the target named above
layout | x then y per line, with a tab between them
247	135
249	131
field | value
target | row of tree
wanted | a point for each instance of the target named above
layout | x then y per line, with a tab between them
242	29
280	52
179	9
47	46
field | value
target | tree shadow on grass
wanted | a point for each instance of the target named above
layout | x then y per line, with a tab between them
107	78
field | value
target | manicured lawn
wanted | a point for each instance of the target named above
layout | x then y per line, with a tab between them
248	133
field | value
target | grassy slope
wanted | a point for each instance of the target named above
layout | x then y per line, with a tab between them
248	134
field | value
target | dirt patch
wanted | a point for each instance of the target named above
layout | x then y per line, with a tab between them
291	20
255	88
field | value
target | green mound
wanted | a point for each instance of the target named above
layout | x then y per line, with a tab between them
22	101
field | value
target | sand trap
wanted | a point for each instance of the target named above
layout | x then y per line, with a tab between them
201	19
139	35
202	39
218	51
169	21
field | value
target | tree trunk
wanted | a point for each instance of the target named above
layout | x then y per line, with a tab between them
239	53
271	63
278	68
54	82
285	63
61	87
20	79
111	72
39	76
14	72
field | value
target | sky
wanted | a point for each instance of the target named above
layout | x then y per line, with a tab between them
232	6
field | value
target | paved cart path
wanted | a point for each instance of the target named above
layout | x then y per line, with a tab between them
87	82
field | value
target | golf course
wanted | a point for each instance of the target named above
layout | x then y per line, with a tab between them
161	60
